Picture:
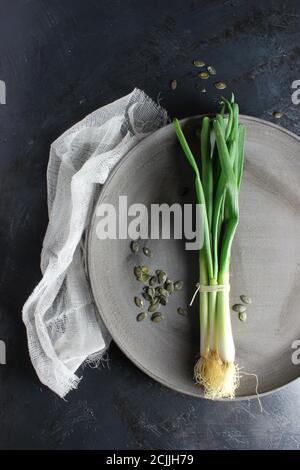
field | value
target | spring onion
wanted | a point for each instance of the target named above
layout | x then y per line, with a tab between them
218	177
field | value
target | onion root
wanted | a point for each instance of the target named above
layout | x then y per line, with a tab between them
219	379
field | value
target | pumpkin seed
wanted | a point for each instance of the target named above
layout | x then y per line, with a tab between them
163	300
147	252
242	316
134	246
153	306
141	273
153	281
162	277
145	269
137	271
277	114
147	297
211	70
141	316
182	311
178	285
246	299
203	75
143	278
139	302
157	317
198	63
169	286
239	308
173	84
220	85
163	292
151	292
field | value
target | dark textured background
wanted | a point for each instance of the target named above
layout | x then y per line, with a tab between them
60	60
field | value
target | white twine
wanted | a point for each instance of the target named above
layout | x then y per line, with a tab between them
215	288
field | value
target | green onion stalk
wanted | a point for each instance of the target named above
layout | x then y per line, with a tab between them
218	175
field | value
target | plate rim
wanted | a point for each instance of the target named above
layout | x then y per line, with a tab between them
119	343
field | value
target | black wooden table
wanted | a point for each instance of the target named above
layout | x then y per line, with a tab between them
61	59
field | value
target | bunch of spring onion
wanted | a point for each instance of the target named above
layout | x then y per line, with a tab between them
218	174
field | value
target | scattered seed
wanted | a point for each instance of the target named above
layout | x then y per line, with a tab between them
145	269
169	286
277	114
134	246
141	316
239	308
137	271
178	285
153	306
220	85
203	90
141	273
211	70
151	292
157	317
163	300
182	311
246	299
203	75
242	316
163	292
147	297
153	281
162	277
143	278
139	302
147	252
173	84
198	63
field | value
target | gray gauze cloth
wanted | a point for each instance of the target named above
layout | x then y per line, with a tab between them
64	328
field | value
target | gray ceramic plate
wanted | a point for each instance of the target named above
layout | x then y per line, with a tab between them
265	262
